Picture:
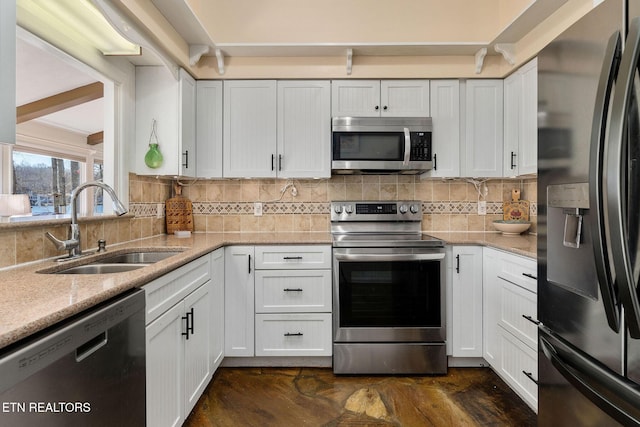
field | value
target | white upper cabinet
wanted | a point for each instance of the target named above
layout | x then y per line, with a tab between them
445	113
172	104
521	121
209	128
278	129
8	72
528	146
249	129
304	129
375	98
483	129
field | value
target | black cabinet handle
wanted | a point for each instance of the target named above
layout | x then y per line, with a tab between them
292	257
186	159
530	376
279	162
377	107
273	158
531	319
249	258
385	108
186	328
435	162
513	156
191	323
297	334
458	263
292	290
531	276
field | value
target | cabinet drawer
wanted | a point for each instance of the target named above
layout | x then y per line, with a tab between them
518	366
293	334
519	270
289	291
164	292
515	303
288	257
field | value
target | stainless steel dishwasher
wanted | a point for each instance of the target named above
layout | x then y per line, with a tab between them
86	371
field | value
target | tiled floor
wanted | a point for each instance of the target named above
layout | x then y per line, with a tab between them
316	397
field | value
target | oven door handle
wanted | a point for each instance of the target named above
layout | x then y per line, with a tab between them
389	257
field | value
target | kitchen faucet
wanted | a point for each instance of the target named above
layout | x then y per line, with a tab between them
72	244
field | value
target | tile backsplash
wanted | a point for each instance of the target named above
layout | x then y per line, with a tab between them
447	205
287	205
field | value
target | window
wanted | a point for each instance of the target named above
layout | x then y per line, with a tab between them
49	181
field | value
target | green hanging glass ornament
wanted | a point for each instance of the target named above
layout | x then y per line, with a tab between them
153	158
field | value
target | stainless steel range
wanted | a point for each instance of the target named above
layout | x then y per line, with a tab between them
388	290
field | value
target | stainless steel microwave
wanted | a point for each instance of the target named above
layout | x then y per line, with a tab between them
381	145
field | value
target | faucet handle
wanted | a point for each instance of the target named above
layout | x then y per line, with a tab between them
61	244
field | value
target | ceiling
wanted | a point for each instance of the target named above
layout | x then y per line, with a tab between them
41	74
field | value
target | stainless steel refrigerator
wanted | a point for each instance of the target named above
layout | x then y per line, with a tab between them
588	220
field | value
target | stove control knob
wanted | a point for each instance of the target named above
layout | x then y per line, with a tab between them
348	209
403	209
414	209
337	209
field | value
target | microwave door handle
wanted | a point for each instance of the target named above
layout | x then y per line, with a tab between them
599	230
407	147
616	183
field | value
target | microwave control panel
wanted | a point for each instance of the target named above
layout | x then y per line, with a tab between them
420	146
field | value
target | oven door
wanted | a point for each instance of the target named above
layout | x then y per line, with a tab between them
389	295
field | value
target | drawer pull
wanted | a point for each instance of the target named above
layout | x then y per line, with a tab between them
296	334
531	276
531	319
530	376
292	290
292	257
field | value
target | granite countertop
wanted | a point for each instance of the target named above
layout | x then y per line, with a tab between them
32	301
521	244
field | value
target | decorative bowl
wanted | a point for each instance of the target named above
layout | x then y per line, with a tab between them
511	227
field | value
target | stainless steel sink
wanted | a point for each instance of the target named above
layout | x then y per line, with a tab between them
96	268
117	263
137	257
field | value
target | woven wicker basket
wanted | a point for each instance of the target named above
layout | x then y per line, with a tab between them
178	212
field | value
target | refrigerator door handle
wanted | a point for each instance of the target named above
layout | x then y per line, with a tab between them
614	394
608	74
616	183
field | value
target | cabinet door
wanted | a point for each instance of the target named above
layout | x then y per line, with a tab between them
217	308
187	124
404	98
8	72
355	98
171	104
304	129
483	146
528	148
490	306
512	123
239	301
445	113
249	129
197	368
209	129
519	367
165	369
467	301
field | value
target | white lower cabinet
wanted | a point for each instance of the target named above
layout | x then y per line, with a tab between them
510	330
278	300
293	334
217	308
466	302
178	342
